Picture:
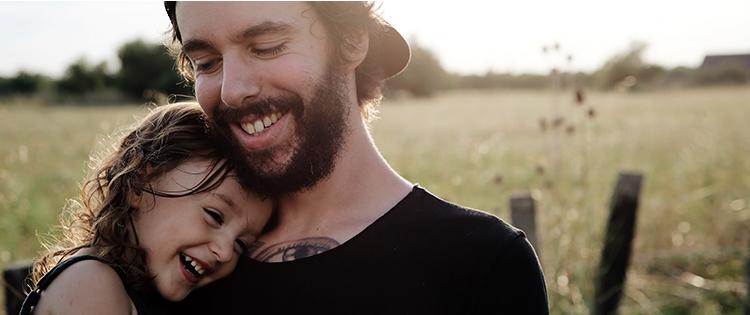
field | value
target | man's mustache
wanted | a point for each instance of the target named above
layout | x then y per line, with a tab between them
262	107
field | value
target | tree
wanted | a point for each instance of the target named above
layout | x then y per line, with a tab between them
81	78
23	83
148	67
424	75
628	64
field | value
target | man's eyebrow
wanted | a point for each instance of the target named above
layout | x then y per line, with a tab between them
267	27
195	44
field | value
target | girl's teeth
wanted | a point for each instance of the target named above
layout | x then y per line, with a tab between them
197	267
266	121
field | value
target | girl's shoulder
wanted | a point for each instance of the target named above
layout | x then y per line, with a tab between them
85	287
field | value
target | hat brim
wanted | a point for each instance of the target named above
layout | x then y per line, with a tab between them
389	50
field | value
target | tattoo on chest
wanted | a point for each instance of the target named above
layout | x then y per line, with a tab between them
293	250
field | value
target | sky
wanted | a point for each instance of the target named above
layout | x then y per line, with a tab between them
467	36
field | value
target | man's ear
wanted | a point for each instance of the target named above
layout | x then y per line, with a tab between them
354	48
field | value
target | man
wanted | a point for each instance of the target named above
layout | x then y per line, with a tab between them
292	85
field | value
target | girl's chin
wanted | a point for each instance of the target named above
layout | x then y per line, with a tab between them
174	294
175	297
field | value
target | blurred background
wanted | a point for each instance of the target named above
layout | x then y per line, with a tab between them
550	98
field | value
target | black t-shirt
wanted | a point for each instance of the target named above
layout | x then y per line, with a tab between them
424	256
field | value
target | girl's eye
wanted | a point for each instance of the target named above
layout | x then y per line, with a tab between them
240	246
215	216
269	52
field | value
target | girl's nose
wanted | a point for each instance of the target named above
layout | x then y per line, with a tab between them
223	249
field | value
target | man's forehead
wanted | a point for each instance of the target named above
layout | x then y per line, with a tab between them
205	18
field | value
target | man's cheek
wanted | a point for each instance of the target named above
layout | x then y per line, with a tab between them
208	96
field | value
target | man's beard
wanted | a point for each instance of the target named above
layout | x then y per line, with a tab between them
310	155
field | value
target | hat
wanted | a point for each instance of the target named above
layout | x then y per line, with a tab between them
388	49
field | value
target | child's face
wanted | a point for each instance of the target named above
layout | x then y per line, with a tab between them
206	230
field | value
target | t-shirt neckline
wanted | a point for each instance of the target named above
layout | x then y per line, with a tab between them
415	192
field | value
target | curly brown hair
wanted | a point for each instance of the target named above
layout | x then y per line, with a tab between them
345	21
101	219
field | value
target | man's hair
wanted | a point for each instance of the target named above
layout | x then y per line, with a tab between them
344	21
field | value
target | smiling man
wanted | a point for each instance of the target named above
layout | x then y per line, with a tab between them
293	86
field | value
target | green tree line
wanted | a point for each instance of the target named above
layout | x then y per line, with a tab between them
147	69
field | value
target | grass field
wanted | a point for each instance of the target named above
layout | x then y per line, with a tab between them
476	148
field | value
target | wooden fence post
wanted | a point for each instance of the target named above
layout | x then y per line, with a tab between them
747	287
523	216
617	243
14	281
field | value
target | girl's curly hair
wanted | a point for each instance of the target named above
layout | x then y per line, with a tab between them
101	219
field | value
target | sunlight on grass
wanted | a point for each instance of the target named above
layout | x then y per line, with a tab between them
476	148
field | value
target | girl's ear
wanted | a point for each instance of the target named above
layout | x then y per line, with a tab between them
355	47
135	200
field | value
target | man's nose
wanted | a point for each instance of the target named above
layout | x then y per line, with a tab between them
240	81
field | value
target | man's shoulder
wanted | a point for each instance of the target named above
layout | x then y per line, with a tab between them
459	221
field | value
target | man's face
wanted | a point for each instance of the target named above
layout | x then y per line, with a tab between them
264	74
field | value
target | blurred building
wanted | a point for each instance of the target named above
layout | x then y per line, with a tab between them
718	61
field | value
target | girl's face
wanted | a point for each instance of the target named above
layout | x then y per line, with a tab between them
193	240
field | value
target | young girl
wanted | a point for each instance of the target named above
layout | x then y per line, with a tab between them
164	213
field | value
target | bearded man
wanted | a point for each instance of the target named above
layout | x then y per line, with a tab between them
293	86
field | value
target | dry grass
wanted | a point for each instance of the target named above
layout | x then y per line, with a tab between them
476	148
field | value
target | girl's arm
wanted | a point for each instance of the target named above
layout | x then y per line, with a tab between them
86	287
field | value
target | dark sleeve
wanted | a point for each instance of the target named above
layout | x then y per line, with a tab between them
515	283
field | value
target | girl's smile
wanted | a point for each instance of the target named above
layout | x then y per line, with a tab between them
195	239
